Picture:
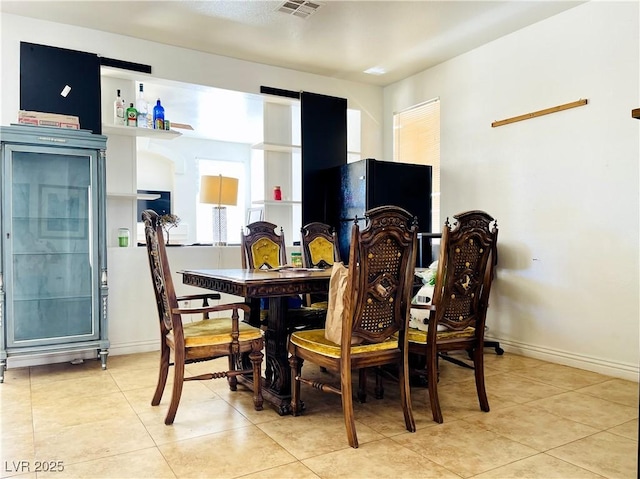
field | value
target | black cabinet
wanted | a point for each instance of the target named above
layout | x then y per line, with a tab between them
356	187
324	146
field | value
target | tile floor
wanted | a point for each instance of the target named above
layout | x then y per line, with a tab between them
546	421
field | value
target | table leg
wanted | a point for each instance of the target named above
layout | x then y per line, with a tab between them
277	372
277	382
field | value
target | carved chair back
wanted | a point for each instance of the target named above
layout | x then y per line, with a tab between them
381	267
262	247
465	271
161	274
319	245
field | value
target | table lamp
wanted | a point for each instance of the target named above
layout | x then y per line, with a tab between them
220	191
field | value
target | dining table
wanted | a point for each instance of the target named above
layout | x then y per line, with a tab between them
278	285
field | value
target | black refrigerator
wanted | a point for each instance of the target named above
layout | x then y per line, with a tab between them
356	187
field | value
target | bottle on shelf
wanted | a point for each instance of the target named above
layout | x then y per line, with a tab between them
142	108
132	115
277	193
119	111
158	116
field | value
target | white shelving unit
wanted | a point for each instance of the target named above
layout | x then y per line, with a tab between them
121	168
276	203
132	196
139	132
277	147
281	153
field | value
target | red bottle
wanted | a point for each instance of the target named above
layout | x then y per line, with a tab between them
277	194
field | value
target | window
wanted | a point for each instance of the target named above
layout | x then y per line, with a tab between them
235	214
416	139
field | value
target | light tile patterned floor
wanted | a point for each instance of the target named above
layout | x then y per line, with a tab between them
546	421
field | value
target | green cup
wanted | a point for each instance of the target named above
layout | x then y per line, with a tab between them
123	237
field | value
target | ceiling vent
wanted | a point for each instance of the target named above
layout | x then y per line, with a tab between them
299	8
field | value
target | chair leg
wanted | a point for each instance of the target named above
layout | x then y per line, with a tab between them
256	357
362	385
346	392
165	358
295	364
232	380
432	378
178	382
405	396
378	392
478	361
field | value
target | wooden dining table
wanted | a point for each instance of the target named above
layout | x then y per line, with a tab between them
277	285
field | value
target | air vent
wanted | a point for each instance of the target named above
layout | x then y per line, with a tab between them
299	8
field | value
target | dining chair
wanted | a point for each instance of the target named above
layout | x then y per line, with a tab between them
200	340
458	309
319	245
377	300
319	248
263	248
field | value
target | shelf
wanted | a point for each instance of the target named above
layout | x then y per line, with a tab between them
139	132
287	148
274	202
133	196
275	147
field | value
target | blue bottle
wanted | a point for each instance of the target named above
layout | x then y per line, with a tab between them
158	116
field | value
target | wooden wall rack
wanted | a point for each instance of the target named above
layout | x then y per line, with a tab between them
534	114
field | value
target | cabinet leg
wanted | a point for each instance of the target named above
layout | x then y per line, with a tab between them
103	357
3	366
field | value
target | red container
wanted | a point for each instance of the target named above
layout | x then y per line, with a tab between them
277	194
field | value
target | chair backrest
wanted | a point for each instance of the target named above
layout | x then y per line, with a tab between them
319	245
262	247
382	260
160	271
465	271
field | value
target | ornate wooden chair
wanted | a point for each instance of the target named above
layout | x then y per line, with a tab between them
377	301
263	248
460	300
196	341
319	247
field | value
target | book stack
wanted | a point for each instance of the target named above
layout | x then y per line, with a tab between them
48	119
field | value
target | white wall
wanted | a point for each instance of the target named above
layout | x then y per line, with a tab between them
563	187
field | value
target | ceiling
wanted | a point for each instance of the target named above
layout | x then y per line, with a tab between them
341	39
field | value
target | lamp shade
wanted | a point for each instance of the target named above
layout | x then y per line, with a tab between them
219	190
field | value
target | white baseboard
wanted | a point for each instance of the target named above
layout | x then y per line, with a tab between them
114	350
629	372
134	347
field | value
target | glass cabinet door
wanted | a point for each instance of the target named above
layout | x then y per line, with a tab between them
53	257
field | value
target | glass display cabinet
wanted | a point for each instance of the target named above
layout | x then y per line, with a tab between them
53	261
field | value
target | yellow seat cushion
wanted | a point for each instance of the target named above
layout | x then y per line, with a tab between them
265	251
214	331
314	340
418	336
320	305
321	249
